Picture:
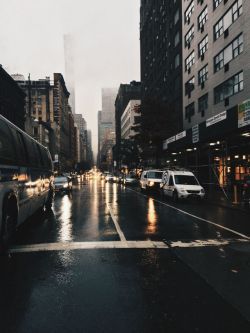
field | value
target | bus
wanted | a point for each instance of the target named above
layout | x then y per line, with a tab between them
26	179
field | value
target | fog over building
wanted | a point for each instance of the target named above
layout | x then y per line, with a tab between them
69	50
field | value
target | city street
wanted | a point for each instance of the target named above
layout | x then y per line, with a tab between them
111	259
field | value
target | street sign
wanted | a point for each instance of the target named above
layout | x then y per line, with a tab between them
244	114
195	134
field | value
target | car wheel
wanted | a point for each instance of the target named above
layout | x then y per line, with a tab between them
9	221
175	196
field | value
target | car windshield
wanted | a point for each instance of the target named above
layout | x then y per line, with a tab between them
155	174
185	180
61	179
131	176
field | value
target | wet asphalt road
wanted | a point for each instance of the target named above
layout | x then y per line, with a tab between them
109	259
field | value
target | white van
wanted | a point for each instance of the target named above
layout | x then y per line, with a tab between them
151	180
179	184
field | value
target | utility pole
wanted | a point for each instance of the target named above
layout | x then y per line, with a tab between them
29	95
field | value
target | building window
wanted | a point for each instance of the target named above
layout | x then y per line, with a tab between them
218	29
202	46
228	19
176	16
189	61
218	61
237	10
189	86
177	61
216	3
189	112
229	88
202	18
230	52
203	104
203	75
189	12
189	36
237	46
177	39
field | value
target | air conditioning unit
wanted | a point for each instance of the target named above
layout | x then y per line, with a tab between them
226	101
226	67
226	33
202	57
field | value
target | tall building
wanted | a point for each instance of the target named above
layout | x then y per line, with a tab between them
216	104
161	70
126	93
38	109
69	52
12	100
106	127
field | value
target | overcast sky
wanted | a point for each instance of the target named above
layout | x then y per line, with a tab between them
106	34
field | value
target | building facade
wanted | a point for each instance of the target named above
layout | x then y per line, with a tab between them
161	72
128	119
126	93
216	91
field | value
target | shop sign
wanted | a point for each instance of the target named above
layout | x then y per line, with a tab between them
172	139
216	119
195	133
244	114
180	135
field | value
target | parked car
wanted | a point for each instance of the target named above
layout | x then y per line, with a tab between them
151	180
130	179
181	185
62	184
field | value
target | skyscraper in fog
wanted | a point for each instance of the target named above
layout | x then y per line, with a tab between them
70	68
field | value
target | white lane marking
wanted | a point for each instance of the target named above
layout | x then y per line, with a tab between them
148	244
197	217
63	246
205	243
118	229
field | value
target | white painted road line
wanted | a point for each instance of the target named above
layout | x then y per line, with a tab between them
88	246
205	243
148	244
197	217
118	229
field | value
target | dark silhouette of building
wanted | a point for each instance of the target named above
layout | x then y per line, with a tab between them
12	100
161	70
126	93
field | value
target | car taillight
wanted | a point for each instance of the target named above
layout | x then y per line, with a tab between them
245	185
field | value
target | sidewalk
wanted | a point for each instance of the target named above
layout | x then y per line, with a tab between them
218	198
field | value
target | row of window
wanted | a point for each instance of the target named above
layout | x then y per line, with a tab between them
228	19
202	107
220	27
229	53
228	88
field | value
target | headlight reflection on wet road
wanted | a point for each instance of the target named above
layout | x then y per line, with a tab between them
65	232
152	217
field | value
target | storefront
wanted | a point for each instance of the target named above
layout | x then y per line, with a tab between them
217	150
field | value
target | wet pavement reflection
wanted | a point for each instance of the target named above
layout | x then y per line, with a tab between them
175	289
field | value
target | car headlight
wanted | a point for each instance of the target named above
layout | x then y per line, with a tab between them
65	185
182	190
151	184
202	190
115	178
